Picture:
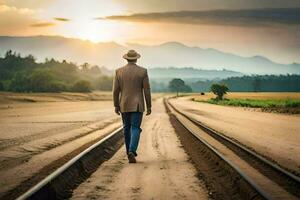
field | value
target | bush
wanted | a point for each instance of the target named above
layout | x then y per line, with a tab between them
82	86
41	80
20	83
57	86
6	85
1	86
104	83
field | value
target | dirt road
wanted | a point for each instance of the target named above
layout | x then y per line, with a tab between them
35	135
273	135
162	172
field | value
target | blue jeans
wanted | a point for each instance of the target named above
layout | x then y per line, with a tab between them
131	126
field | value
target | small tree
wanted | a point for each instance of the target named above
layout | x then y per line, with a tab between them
178	85
219	90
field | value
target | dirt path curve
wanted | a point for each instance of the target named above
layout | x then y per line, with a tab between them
162	172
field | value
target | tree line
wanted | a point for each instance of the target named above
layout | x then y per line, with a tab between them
24	74
254	83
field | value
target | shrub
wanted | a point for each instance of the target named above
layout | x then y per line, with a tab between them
41	80
104	83
82	86
1	86
20	83
6	85
57	86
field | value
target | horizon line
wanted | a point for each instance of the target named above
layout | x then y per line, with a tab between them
160	44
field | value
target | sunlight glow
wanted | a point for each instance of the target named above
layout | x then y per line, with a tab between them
96	31
82	16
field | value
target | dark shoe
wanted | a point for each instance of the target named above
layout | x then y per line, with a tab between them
135	154
131	157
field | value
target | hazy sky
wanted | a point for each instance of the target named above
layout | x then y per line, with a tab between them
245	27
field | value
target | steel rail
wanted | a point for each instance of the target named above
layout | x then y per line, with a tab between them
31	192
251	182
275	166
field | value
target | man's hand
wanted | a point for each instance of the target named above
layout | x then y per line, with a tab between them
148	112
117	110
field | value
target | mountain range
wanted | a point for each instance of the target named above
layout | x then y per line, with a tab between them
190	74
170	54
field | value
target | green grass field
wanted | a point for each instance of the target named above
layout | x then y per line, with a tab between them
256	103
282	102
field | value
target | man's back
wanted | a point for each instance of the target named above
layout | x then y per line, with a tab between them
129	84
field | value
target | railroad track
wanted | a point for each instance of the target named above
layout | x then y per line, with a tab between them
60	183
280	176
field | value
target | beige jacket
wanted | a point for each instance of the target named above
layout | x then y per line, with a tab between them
130	82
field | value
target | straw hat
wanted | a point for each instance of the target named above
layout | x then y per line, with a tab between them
131	55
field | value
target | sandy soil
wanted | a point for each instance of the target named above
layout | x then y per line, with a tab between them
275	136
251	95
271	187
29	119
33	135
11	97
162	172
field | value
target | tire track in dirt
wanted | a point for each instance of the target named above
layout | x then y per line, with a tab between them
163	170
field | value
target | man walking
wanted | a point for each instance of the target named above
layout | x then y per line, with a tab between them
130	82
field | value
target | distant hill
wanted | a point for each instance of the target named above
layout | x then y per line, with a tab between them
164	55
191	73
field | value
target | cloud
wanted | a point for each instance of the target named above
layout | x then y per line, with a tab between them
43	24
62	19
99	18
6	9
175	5
33	4
245	17
15	20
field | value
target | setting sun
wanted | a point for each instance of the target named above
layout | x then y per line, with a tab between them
87	22
93	30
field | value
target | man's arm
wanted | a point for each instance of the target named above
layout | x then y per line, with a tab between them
116	94
147	93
